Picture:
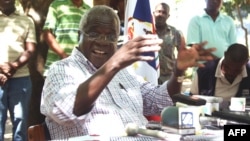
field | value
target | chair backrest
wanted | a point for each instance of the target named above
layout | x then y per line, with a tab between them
38	132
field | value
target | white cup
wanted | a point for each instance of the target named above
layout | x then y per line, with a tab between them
237	104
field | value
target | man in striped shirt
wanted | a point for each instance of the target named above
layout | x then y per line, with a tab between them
61	28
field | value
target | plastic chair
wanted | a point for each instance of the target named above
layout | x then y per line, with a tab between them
38	132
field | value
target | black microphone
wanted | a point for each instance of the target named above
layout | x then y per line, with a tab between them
189	100
170	117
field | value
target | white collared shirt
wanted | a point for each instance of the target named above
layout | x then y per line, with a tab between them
223	88
116	106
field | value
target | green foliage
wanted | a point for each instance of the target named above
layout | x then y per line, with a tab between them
238	9
229	6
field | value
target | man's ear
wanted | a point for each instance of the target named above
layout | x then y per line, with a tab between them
80	38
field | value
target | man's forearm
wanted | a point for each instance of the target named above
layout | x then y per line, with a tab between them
22	60
89	90
25	56
175	82
53	44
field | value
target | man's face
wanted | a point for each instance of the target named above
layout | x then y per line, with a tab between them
214	5
7	4
161	15
231	69
99	41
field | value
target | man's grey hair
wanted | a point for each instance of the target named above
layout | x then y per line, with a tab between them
97	12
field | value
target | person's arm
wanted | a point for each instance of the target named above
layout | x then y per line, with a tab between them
10	68
89	90
53	44
25	56
3	79
187	57
174	83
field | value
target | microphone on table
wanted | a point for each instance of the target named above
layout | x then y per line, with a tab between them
219	122
170	117
132	129
180	120
170	114
189	100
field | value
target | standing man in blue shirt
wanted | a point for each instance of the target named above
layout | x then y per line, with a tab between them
212	26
